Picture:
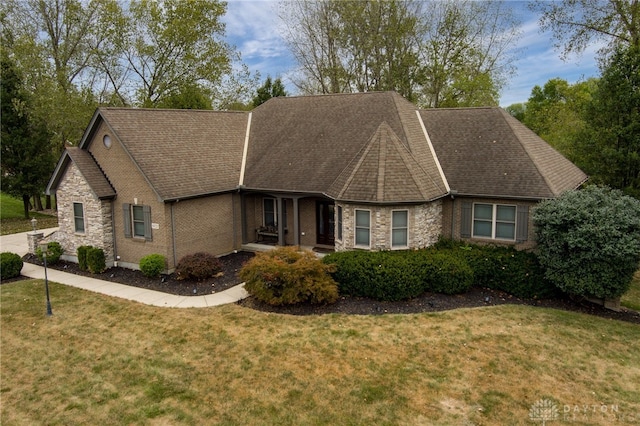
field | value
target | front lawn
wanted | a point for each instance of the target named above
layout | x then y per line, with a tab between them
12	217
102	360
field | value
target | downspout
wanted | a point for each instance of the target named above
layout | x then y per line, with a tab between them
173	234
113	232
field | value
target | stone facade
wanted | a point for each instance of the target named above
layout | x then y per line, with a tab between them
98	229
424	228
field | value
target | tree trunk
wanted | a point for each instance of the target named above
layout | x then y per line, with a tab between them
47	199
25	202
37	203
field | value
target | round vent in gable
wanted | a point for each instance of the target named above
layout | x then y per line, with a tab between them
106	140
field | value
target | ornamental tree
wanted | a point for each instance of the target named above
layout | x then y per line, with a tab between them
589	241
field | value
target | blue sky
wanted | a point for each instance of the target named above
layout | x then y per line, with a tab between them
253	27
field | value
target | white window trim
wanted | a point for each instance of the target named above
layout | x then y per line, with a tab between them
494	221
355	228
84	221
133	221
398	227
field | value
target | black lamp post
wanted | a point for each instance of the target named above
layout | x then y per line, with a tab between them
44	247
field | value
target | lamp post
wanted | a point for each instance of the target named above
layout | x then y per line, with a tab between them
44	247
34	224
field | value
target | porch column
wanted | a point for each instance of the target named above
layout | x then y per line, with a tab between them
296	223
280	221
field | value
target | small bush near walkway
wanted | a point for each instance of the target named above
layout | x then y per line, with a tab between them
198	266
10	265
54	251
95	260
152	265
287	276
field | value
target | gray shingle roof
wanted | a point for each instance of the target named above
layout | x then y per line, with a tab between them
88	167
485	151
182	153
319	144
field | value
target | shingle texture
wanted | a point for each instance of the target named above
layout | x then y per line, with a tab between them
182	153
485	151
319	144
92	173
362	147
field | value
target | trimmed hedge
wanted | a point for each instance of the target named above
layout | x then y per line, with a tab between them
152	265
399	275
286	276
449	268
10	265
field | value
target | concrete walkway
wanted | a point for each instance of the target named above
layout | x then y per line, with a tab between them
17	243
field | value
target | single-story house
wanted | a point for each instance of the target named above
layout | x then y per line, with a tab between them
345	171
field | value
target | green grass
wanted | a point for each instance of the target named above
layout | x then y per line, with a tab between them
12	217
102	360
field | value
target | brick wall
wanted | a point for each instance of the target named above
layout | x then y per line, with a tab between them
98	230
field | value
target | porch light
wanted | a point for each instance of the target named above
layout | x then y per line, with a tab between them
44	247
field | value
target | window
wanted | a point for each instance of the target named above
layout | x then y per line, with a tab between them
363	228
137	221
399	228
78	217
270	214
494	221
340	222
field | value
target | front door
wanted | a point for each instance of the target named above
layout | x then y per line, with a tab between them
326	223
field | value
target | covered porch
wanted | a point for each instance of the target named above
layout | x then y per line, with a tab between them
276	218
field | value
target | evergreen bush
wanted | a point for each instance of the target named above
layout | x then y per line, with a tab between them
82	256
10	265
589	241
198	266
95	260
152	265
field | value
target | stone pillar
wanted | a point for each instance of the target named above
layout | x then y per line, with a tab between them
34	239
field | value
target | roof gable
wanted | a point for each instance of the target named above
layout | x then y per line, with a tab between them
384	171
89	169
182	153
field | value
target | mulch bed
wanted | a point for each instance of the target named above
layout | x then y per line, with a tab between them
428	302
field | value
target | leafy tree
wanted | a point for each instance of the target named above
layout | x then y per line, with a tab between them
589	241
448	54
189	96
575	23
168	46
26	156
609	146
555	112
269	90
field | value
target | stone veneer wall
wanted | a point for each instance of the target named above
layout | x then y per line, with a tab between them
98	229
425	225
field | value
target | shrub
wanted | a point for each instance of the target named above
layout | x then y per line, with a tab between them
513	271
198	266
152	265
95	260
378	275
82	256
54	251
447	272
10	265
589	241
287	276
